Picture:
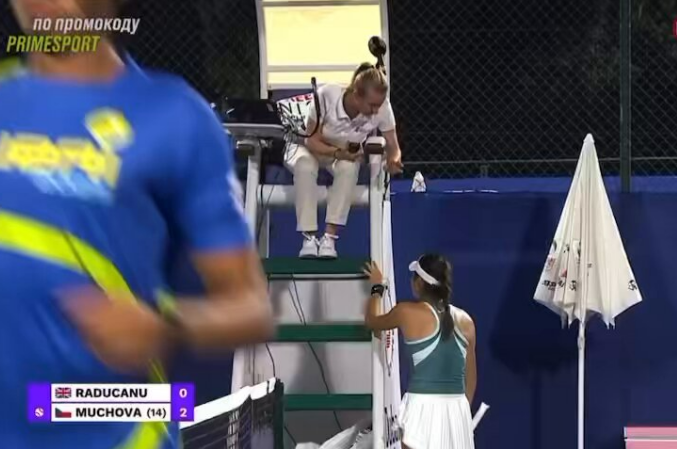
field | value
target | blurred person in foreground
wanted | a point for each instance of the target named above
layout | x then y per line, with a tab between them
102	167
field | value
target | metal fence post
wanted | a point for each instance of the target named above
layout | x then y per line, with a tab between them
625	93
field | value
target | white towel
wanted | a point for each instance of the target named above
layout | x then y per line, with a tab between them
418	185
353	437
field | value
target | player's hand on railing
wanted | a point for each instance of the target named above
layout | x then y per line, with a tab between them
372	270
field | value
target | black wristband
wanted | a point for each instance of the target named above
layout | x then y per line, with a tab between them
378	289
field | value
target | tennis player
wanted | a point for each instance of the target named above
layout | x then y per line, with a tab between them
435	410
102	167
347	115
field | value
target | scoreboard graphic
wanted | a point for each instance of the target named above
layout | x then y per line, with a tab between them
111	402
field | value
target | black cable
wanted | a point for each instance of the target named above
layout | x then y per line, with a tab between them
390	298
264	207
386	185
300	310
293	440
259	226
302	317
316	100
270	354
272	359
326	384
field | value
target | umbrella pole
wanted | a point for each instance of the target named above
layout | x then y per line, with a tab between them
581	384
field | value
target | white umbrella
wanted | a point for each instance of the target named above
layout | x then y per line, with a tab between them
587	272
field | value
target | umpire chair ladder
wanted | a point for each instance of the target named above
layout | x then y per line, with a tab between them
252	140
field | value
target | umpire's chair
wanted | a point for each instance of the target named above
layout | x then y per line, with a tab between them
269	184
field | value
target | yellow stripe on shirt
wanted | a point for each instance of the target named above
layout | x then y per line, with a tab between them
53	245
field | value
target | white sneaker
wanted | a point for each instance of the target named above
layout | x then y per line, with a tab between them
328	247
309	250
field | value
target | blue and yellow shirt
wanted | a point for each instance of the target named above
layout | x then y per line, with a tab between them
96	181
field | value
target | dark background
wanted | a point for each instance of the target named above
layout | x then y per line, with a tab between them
481	88
211	43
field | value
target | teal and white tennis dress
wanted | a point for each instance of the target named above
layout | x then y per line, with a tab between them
435	413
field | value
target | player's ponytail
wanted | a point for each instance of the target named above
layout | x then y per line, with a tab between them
378	48
439	268
447	321
362	68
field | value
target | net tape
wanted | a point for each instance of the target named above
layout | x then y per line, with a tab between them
242	420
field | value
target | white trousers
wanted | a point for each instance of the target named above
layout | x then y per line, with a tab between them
306	166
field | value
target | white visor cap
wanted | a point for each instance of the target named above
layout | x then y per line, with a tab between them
415	267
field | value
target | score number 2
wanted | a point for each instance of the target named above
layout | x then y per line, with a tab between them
183	413
183	402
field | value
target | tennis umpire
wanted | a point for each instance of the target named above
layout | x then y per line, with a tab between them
102	166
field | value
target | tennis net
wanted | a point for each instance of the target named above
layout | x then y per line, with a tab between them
251	418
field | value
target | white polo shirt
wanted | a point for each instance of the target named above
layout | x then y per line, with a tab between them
338	129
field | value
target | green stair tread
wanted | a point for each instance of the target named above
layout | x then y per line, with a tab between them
330	332
305	402
294	266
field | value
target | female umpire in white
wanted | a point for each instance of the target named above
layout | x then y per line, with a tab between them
347	115
435	411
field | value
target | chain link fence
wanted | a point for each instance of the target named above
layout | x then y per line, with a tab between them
490	88
497	88
654	88
213	44
481	87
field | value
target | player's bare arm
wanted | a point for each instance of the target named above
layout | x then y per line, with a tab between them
373	319
236	310
393	152
467	328
319	147
127	334
315	143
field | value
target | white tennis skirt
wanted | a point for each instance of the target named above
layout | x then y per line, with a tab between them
436	421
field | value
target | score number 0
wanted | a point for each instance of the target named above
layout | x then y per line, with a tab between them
183	413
